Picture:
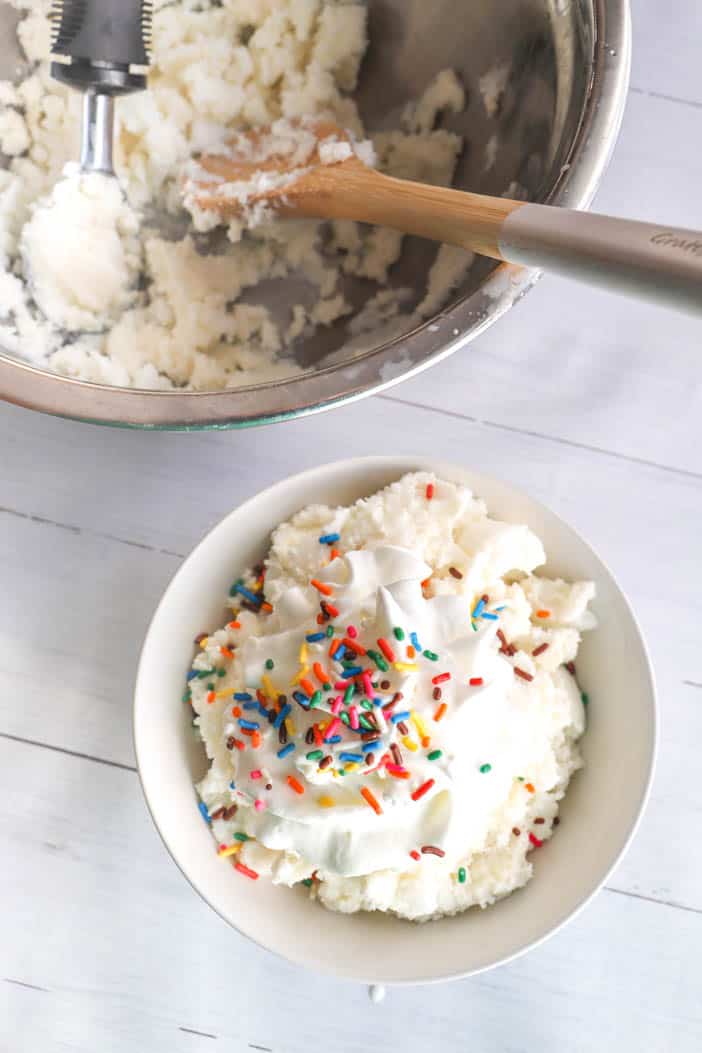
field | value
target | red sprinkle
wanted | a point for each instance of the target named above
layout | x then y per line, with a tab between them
539	650
570	666
386	649
524	675
352	631
353	646
430	491
441	678
421	790
415	854
295	785
476	681
535	841
243	869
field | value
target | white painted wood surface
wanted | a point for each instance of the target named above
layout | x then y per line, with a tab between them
594	405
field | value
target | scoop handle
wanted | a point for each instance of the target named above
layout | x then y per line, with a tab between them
663	264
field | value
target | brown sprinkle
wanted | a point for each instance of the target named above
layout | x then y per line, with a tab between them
556	821
485	598
539	650
230	742
432	850
282	734
325	762
402	728
436	694
455	573
229	812
369	758
396	754
384	685
309	735
539	821
516	831
570	666
521	672
218	814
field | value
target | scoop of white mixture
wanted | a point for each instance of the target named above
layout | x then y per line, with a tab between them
81	252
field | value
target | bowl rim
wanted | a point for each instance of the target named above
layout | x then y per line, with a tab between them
403	463
378	369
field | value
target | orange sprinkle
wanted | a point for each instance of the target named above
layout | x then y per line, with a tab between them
256	739
334	554
307	686
236	711
334	647
226	652
530	787
234	625
326	590
425	741
425	583
295	784
411	651
351	645
266	607
370	798
320	674
440	711
543	614
211	696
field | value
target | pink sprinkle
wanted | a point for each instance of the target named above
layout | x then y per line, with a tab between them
336	704
367	685
353	717
341	685
332	729
396	768
352	631
257	774
259	805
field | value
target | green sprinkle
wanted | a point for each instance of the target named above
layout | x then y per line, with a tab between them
187	696
585	699
315	755
484	768
434	755
366	703
344	718
462	875
330	630
308	882
204	672
399	633
342	771
235	586
210	687
326	687
270	664
241	837
365	723
349	693
520	778
316	699
379	660
475	626
221	672
431	655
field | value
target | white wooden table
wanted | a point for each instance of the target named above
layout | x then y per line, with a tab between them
591	403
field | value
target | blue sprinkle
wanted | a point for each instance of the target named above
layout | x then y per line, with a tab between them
415	642
478	609
205	814
329	539
242	696
282	715
286	749
334	738
353	671
339	653
232	786
370	746
377	701
247	594
251	705
192	674
301	698
355	758
250	724
490	617
314	637
397	717
501	607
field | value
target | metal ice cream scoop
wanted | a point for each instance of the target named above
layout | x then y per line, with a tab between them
101	47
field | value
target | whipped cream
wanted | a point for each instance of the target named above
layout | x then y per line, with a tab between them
393	706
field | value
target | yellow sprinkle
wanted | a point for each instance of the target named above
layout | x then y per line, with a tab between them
303	653
326	802
204	642
406	667
268	686
224	694
350	766
230	850
410	744
290	727
419	724
304	671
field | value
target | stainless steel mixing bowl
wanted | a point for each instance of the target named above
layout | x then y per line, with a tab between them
557	124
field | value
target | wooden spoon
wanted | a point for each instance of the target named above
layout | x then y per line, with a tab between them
660	263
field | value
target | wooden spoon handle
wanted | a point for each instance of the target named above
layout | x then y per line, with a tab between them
660	263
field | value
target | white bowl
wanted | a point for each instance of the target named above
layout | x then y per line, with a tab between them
599	814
